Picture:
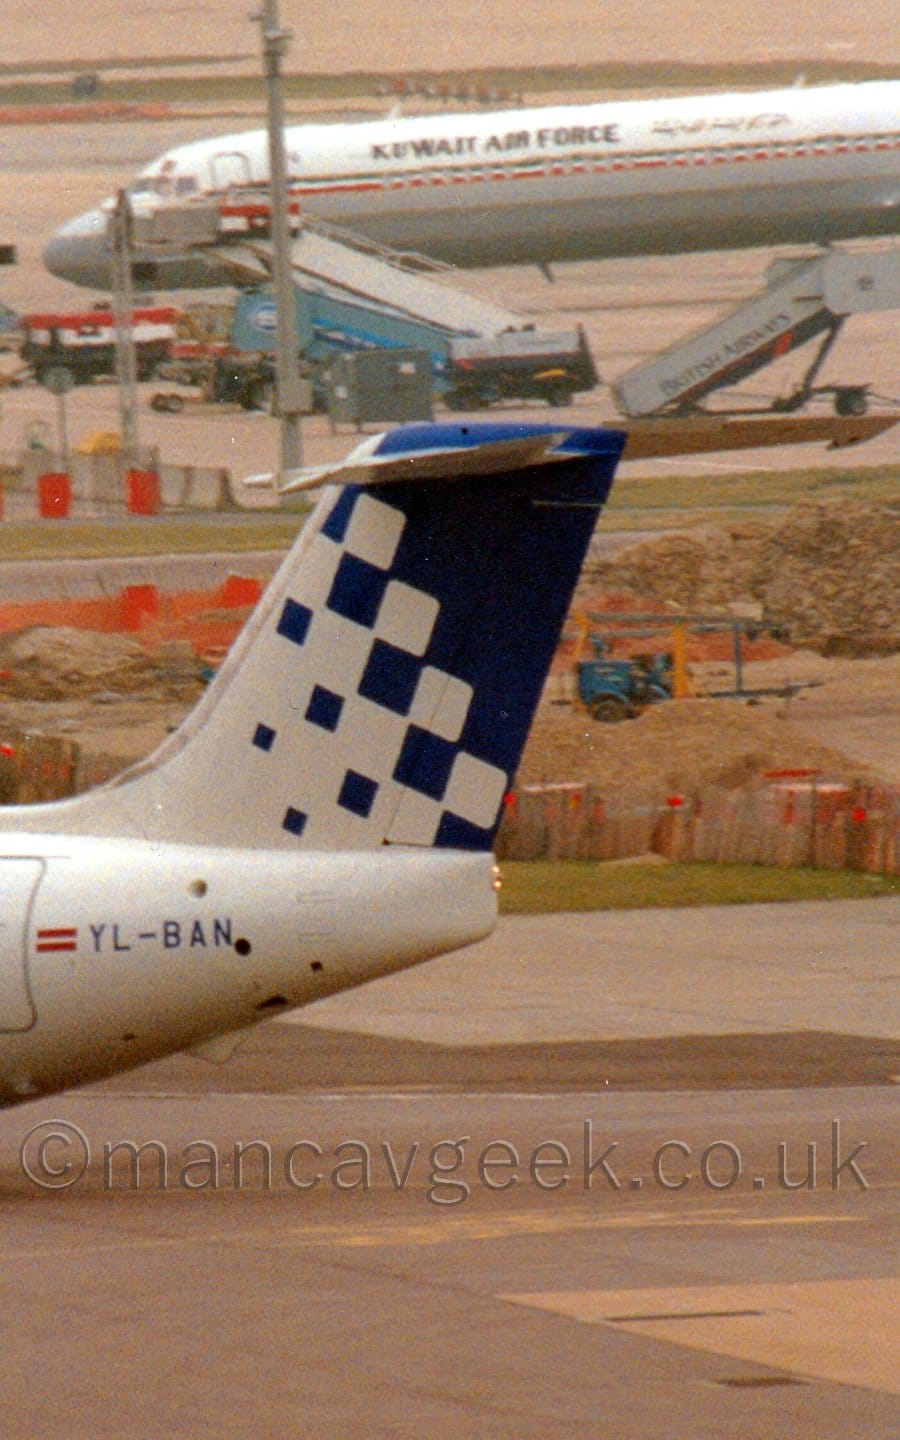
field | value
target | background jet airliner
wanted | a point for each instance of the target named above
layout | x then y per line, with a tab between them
550	184
326	814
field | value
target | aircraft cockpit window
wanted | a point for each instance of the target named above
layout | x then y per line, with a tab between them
186	185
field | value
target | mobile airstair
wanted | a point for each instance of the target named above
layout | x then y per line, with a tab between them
802	301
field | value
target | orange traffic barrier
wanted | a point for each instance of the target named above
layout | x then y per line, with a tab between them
140	603
142	488
54	491
239	590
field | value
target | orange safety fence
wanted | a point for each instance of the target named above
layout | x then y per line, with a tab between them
208	619
825	825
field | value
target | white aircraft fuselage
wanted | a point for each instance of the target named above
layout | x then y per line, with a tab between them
116	952
552	184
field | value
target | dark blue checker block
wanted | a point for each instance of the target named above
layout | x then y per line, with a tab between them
324	708
425	762
294	821
454	833
335	526
390	677
357	590
358	793
295	621
264	737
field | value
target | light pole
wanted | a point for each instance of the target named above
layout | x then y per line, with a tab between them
275	43
126	362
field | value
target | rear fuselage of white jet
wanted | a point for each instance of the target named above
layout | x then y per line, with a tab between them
115	952
555	184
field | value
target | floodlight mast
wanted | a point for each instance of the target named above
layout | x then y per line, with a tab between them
126	360
275	42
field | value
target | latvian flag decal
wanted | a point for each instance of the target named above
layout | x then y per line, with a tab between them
63	939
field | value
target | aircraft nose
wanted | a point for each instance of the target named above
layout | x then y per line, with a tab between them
79	251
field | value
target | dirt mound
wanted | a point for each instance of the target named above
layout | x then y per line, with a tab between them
46	663
679	747
827	573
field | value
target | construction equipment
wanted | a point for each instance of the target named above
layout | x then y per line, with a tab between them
617	689
613	690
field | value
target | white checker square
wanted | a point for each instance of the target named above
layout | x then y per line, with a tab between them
369	737
475	790
441	703
416	821
315	577
406	617
337	652
374	531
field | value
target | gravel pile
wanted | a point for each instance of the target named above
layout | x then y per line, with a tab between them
827	573
60	663
679	748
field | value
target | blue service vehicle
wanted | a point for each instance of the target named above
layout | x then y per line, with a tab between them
468	371
613	690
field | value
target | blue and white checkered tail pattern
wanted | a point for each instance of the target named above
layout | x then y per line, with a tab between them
383	690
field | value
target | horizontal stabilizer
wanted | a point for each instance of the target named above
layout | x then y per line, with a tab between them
656	438
450	452
465	450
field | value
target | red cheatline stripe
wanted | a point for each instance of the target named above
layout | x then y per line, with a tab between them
521	171
68	933
54	945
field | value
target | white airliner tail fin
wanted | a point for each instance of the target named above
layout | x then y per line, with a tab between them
383	689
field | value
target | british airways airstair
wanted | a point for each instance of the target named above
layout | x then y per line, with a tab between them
802	300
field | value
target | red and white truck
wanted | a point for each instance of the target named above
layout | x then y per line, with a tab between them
83	342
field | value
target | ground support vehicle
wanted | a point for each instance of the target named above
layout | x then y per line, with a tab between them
802	300
618	689
613	690
519	365
83	343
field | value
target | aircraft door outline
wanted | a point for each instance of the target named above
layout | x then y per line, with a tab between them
19	880
230	168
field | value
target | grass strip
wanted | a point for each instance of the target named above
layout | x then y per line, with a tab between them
664	502
102	539
546	887
169	79
753	489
